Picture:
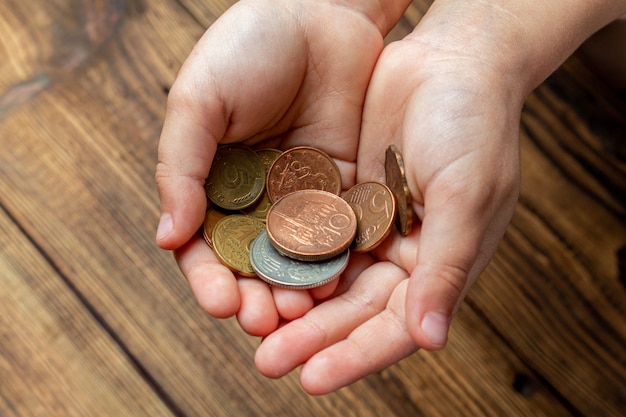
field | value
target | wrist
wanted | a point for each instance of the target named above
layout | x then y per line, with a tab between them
524	41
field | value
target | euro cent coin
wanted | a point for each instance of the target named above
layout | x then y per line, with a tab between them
236	179
302	168
232	237
284	272
395	177
311	225
375	209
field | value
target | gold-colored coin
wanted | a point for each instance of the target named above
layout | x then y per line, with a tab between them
259	209
213	215
232	237
395	177
236	179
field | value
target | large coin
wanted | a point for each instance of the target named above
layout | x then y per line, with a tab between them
395	177
311	225
232	237
281	271
302	168
375	209
236	179
259	209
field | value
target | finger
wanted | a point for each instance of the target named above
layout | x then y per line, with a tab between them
327	323
458	237
193	125
362	353
257	315
292	304
213	285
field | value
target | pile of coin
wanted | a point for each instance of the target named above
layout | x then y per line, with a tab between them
280	216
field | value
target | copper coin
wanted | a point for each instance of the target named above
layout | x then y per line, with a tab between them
395	177
236	179
302	168
259	209
375	209
213	215
311	225
232	237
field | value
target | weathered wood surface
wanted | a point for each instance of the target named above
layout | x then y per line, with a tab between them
95	320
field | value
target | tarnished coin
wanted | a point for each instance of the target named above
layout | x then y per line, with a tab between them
375	209
395	177
311	225
281	271
262	205
236	179
232	237
302	168
213	215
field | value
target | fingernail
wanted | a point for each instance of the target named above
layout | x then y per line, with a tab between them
165	226
435	325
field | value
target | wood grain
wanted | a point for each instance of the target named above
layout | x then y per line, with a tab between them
95	320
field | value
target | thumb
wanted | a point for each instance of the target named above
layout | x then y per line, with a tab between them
457	240
187	145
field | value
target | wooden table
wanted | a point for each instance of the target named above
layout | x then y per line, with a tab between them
95	320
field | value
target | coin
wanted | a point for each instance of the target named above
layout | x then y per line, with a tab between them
395	177
375	209
213	215
284	272
236	179
302	168
311	225
232	237
262	205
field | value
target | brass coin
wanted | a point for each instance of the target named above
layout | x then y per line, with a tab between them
311	225
232	237
395	177
236	179
284	272
302	168
259	209
213	215
375	209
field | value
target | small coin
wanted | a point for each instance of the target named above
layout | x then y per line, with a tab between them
213	215
395	177
232	237
236	179
311	225
375	209
259	209
302	168
284	272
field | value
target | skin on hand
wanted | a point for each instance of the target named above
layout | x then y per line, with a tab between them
267	74
449	95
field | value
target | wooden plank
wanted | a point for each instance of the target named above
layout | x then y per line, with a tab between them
55	359
77	167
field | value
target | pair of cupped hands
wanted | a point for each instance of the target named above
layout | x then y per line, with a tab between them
285	73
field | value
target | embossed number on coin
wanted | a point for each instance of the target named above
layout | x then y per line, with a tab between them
311	225
375	209
236	179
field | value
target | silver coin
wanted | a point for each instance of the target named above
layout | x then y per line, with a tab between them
284	272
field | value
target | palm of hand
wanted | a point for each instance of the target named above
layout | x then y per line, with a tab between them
463	179
312	87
